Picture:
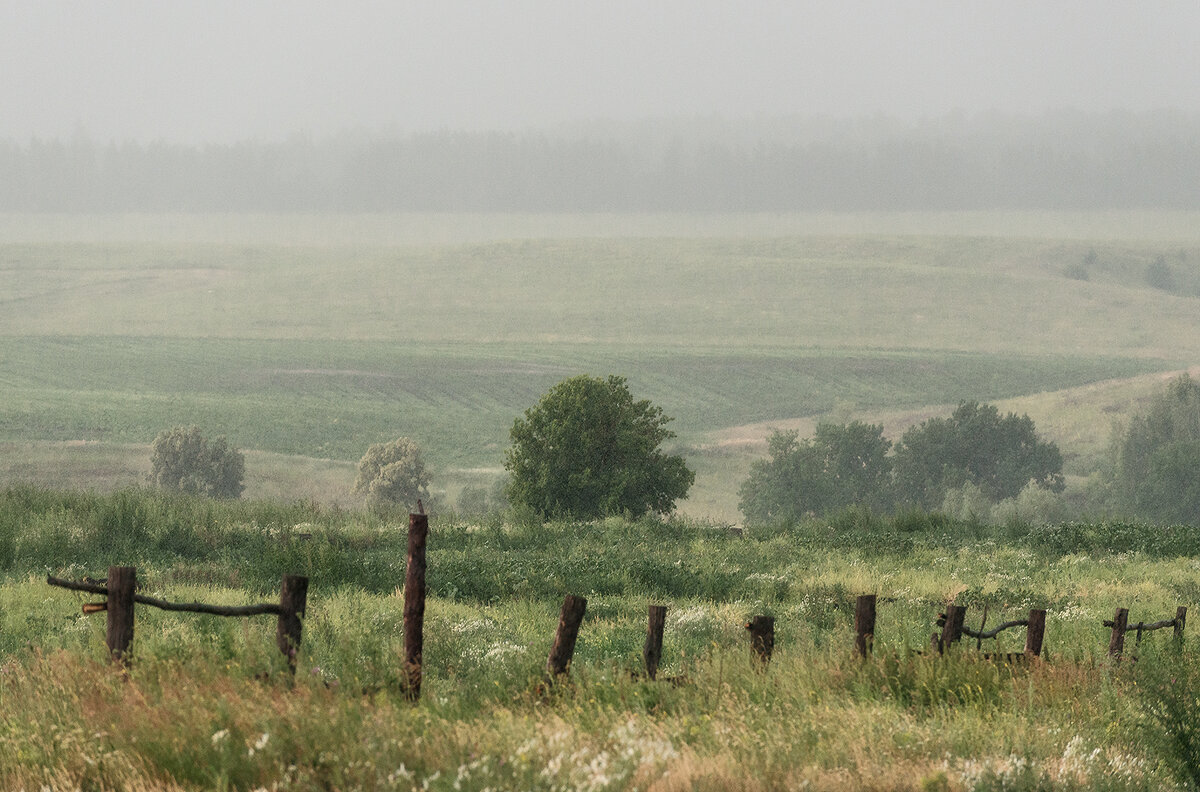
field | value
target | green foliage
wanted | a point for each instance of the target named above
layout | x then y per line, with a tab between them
184	460
1033	506
587	449
998	454
1167	679
393	473
842	465
1157	456
1159	275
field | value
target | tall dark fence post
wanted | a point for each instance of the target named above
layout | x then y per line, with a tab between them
563	648
1180	621
652	651
952	629
293	600
414	604
1116	643
864	624
762	636
1034	633
121	583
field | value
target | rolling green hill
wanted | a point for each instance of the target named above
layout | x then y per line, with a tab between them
327	334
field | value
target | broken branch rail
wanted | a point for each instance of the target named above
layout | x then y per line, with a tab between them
188	607
992	633
1143	626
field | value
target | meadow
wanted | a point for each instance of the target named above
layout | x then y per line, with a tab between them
207	702
304	339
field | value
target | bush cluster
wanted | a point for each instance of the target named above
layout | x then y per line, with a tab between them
976	451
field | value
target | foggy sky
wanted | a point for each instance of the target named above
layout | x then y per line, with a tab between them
224	70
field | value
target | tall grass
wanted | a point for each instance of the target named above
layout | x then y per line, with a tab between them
208	704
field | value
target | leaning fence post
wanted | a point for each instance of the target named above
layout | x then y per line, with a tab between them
293	599
1116	643
563	648
121	583
952	629
1035	631
864	624
762	636
1180	621
414	605
652	651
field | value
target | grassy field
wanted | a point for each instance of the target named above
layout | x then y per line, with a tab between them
308	338
304	339
207	704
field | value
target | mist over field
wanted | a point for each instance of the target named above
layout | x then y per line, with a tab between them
802	191
1066	160
531	106
747	309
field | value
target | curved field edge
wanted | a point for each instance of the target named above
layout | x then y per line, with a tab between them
320	404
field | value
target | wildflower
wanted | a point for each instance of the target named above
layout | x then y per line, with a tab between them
219	737
259	744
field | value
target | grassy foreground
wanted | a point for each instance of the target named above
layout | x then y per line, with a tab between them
208	706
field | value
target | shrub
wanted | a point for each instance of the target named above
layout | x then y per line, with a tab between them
1167	680
1034	505
1157	455
393	473
182	459
1159	275
587	449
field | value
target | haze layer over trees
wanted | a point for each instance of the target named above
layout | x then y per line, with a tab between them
1065	160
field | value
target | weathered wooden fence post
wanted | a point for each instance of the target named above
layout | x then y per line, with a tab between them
1180	621
414	605
952	629
293	600
563	648
762	637
864	624
1035	632
1116	643
652	651
121	583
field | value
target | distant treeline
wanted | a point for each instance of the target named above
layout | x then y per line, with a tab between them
1058	161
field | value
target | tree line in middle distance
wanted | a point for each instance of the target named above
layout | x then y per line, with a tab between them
855	465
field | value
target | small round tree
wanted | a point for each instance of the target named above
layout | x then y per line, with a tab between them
587	449
393	473
182	459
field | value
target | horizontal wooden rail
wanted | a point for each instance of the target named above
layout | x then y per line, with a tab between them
995	631
1143	626
189	607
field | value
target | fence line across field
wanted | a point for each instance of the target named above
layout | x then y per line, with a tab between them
120	590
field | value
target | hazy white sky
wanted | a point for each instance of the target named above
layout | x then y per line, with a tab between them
222	70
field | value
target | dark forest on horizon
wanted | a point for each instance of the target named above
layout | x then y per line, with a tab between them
1063	161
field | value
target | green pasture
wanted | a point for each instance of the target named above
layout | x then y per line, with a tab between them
207	703
303	339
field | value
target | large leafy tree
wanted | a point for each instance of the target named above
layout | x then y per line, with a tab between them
1000	454
185	460
842	465
1158	455
587	449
